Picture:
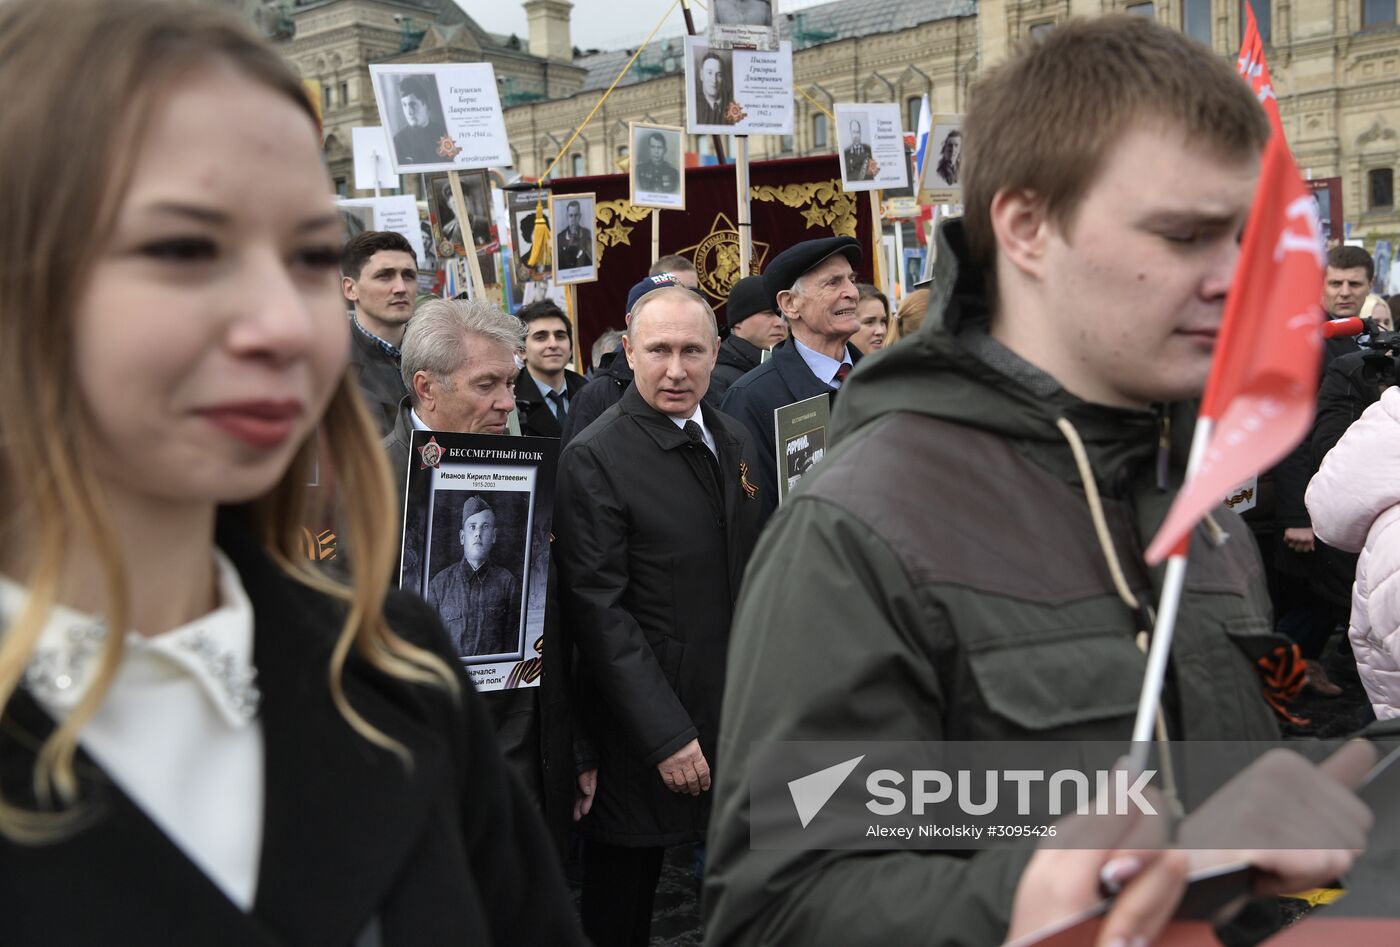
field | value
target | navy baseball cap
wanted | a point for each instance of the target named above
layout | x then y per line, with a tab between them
647	285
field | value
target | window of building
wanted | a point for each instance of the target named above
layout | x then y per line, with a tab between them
1377	13
1147	10
1195	19
577	165
342	187
818	131
786	145
1382	188
1041	30
623	151
326	97
1263	16
912	107
344	94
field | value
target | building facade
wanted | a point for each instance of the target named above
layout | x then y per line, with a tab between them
1335	64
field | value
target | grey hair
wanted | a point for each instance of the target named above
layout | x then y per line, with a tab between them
670	292
432	341
605	344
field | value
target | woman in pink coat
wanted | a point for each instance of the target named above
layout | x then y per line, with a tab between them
1354	502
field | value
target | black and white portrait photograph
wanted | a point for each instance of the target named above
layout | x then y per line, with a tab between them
942	177
573	238
853	138
528	213
948	149
870	145
738	91
417	126
356	218
447	233
713	92
477	516
657	168
477	564
743	23
441	116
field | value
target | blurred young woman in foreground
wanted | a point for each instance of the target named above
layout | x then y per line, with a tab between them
203	741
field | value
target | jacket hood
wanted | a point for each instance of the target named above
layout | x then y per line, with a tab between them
953	370
1359	478
739	353
616	366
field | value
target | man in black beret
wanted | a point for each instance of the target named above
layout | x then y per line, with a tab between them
754	327
813	285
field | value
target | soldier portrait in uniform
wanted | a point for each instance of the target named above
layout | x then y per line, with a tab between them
657	178
573	238
477	597
949	165
855	149
714	87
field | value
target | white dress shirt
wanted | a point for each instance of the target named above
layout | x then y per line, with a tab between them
177	729
823	366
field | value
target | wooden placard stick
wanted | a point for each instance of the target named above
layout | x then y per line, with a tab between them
454	181
571	310
655	235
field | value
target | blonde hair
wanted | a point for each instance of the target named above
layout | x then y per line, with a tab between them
909	316
94	72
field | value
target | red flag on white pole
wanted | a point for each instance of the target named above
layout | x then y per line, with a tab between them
1259	400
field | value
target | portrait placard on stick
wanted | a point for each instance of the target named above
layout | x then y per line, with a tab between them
575	259
656	175
738	91
871	145
750	24
443	117
398	213
477	517
942	179
374	166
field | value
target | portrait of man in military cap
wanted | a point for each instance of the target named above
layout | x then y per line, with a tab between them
657	157
573	241
477	598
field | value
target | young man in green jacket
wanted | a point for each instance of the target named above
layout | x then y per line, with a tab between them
940	577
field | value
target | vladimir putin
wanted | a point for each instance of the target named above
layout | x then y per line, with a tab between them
478	601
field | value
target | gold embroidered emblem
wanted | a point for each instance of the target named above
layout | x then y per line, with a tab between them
716	259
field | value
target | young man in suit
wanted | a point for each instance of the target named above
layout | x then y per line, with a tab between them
545	386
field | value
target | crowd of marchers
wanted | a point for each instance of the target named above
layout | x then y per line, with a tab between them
207	738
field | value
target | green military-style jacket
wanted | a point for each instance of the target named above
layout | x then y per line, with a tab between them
938	578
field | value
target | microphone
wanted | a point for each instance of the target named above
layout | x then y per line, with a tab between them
1339	328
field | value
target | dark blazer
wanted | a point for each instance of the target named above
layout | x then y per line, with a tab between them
780	381
650	554
379	378
536	416
357	848
602	392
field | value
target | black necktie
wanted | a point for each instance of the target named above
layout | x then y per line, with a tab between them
561	410
697	440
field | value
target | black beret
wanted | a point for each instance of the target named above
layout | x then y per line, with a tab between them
785	268
747	297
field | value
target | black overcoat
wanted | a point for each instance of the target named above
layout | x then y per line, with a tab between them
778	382
650	559
357	849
